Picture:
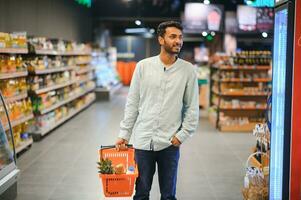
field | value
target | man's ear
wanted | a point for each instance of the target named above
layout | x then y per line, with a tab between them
161	40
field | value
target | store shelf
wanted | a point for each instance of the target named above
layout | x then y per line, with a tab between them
23	145
262	80
238	93
14	50
46	52
19	121
43	90
16	98
83	62
57	53
13	75
243	67
242	109
61	121
84	80
85	70
54	70
238	128
75	53
44	111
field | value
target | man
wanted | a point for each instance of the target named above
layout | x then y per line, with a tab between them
162	111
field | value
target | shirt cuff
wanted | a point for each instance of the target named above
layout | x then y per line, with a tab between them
182	136
124	135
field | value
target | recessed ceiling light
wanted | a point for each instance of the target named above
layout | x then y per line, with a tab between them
138	22
206	2
264	34
212	33
204	33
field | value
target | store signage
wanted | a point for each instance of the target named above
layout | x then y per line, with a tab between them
200	17
251	19
264	19
260	3
84	2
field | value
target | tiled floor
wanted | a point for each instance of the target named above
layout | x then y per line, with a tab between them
63	165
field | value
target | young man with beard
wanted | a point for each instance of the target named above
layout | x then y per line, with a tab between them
162	111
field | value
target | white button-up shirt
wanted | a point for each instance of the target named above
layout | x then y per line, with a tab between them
162	103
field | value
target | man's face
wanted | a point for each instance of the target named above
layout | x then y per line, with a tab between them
172	40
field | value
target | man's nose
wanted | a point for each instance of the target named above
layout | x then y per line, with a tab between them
178	40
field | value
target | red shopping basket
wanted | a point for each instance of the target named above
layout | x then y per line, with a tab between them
118	185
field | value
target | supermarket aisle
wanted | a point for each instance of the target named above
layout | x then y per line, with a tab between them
63	165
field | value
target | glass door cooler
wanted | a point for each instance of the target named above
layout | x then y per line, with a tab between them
8	169
285	153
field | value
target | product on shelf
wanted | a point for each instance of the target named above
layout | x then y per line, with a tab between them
13	40
60	46
11	63
82	60
17	110
13	87
45	62
252	58
257	169
48	80
52	118
20	133
46	100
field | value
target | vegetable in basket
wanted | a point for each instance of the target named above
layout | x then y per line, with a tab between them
105	166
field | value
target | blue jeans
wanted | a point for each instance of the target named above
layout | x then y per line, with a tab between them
167	161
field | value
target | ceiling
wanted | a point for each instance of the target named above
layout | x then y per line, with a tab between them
120	14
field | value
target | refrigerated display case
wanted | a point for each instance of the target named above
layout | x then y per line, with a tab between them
285	169
8	169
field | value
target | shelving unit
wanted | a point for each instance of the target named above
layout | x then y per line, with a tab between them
13	75
13	72
16	97
14	50
54	70
77	86
44	131
53	107
238	92
18	121
55	87
24	145
59	53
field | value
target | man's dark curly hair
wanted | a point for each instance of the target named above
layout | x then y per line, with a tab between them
162	27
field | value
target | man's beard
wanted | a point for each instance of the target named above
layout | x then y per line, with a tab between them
170	50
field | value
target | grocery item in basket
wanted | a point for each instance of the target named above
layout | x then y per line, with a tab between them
119	169
105	166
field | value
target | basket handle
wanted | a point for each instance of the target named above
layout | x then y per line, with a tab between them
253	154
113	146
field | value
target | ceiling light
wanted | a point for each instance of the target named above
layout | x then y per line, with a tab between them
204	33
265	34
206	2
136	30
249	2
212	33
138	22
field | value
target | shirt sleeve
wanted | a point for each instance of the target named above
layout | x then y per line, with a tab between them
190	109
131	107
